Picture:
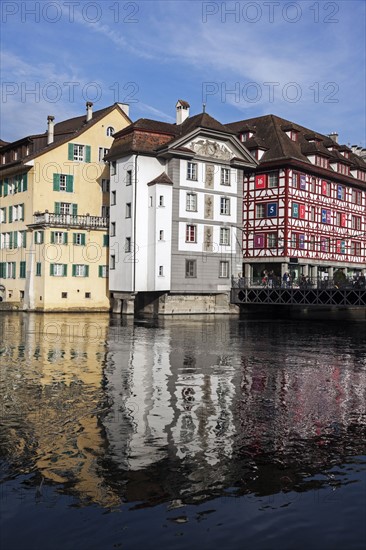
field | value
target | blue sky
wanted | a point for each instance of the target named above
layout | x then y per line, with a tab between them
304	61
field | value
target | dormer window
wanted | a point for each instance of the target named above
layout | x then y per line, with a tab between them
343	169
321	161
292	134
246	135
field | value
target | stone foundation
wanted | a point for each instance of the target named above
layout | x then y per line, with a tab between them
185	304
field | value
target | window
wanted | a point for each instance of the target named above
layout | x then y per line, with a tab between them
79	239
63	182
191	236
80	270
356	222
161	235
110	131
312	242
224	270
312	185
113	262
355	248
102	153
105	211
191	269
22	239
192	171
271	240
224	206
22	270
343	169
113	198
38	269
103	271
312	213
65	208
128	244
128	210
295	180
326	188
2	215
356	196
161	271
224	236
321	161
88	295
260	211
273	179
161	200
79	153
225	176
63	295
113	168
113	229
105	185
191	202
326	216
324	244
58	237
129	177
340	192
58	270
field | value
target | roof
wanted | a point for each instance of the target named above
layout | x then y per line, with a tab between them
163	178
63	131
270	132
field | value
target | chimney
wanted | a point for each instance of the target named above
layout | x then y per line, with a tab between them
89	110
50	129
125	108
182	111
334	136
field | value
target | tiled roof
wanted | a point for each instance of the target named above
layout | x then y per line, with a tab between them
163	178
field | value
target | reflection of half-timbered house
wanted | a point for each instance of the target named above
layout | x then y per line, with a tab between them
176	205
305	206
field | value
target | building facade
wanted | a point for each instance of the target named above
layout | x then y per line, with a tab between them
54	208
304	209
176	212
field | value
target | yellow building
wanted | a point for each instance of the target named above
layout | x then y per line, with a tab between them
54	214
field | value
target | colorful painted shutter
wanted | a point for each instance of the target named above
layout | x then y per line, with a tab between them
64	270
70	184
15	239
74	209
52	270
71	151
56	182
87	153
57	208
22	270
24	182
65	238
260	181
10	214
86	271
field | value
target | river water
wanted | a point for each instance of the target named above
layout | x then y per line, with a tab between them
200	432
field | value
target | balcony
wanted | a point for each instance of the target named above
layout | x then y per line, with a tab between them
44	219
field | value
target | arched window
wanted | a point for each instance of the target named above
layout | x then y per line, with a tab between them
110	131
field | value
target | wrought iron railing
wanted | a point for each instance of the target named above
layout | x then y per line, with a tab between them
309	283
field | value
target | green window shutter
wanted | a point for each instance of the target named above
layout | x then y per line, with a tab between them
64	270
22	270
65	238
2	270
17	188
73	270
56	182
15	239
22	212
87	153
100	270
5	187
1	187
74	238
70	184
10	214
105	240
52	237
83	239
74	209
86	267
24	239
71	151
11	239
14	269
51	269
25	182
57	208
38	269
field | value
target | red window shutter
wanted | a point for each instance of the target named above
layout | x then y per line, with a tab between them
261	181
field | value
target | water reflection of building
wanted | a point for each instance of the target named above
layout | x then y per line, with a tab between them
181	409
52	373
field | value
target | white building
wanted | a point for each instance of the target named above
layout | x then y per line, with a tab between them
176	214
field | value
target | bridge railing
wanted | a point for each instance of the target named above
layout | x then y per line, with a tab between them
300	282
